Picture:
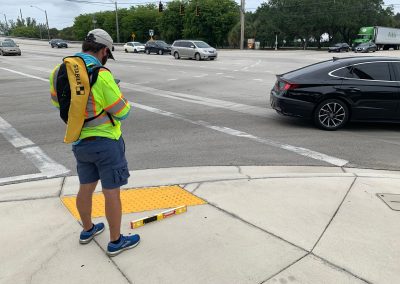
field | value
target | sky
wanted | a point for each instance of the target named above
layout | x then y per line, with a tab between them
61	13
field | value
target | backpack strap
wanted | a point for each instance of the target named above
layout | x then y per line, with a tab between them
94	74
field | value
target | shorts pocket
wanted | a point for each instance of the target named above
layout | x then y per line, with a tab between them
121	174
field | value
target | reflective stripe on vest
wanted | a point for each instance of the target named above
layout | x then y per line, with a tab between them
118	106
101	119
54	94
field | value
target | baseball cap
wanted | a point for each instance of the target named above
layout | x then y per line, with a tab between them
102	37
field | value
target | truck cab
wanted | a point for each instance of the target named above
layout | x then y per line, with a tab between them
366	34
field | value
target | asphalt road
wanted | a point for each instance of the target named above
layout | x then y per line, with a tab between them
185	113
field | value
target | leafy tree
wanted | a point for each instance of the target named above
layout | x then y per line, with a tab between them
215	20
171	22
140	20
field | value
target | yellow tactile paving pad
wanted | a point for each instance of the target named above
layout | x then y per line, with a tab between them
139	199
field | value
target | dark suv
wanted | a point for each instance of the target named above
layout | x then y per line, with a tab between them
157	46
58	43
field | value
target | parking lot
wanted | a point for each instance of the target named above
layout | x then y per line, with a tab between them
185	113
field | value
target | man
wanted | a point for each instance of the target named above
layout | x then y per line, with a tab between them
100	150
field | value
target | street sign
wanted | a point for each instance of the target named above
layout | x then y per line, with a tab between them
151	32
133	36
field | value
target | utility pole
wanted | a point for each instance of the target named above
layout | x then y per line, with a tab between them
5	18
20	14
242	23
116	20
47	24
47	21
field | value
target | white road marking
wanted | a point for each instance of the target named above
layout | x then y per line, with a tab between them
229	76
24	74
260	80
13	136
47	167
220	73
45	162
200	76
172	79
20	178
233	132
242	108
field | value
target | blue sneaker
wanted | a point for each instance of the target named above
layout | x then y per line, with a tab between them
126	242
86	237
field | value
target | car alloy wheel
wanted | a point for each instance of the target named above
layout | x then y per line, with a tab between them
176	55
160	52
197	56
331	114
147	51
135	51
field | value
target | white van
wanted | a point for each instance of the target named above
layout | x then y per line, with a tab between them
196	49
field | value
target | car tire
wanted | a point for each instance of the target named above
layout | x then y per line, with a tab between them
331	114
1	53
147	51
135	51
197	56
160	52
212	58
126	51
52	46
176	55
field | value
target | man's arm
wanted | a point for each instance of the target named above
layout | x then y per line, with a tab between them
114	101
53	84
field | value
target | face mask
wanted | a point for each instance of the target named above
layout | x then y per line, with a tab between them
104	60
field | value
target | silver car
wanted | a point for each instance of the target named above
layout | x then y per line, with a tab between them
196	49
9	47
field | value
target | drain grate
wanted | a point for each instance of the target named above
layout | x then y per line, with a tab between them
391	200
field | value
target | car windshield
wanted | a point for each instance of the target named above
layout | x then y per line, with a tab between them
363	44
162	43
8	44
201	44
338	44
138	43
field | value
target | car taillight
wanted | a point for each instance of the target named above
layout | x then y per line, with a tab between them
284	86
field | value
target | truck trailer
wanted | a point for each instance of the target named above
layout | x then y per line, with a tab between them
383	37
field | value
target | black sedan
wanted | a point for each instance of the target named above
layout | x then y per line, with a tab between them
157	46
335	91
339	47
58	43
366	47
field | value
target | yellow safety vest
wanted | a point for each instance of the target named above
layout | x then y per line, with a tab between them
104	95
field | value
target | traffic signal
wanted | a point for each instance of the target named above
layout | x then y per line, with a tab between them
160	7
197	10
182	9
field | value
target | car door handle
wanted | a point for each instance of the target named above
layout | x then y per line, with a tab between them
354	89
350	89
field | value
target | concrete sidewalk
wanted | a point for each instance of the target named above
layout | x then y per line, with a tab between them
260	225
